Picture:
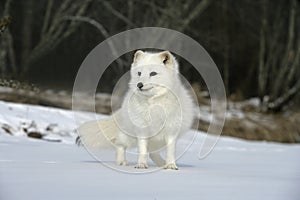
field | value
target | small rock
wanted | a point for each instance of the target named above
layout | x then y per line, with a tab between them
36	135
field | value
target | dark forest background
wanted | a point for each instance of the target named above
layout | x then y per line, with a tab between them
255	43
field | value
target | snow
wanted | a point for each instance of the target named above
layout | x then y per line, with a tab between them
236	169
52	123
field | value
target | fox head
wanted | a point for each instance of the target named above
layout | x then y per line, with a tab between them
153	74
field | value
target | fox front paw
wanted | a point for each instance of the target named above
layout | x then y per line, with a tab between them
171	166
122	163
141	166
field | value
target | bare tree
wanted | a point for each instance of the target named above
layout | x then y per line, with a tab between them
7	54
55	28
278	62
262	72
226	45
174	14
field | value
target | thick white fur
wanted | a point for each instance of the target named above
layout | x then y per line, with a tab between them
151	119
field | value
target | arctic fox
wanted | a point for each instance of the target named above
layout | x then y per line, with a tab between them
156	110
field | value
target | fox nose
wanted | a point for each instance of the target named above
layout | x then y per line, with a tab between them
140	85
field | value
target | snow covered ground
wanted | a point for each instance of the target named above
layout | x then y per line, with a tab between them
42	169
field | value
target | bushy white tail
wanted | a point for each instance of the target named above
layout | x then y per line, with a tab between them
101	134
98	134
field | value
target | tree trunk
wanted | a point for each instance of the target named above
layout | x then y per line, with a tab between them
262	49
226	46
7	53
26	33
285	63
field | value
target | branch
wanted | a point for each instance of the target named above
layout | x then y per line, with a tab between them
290	40
195	12
118	14
47	17
101	29
291	33
7	7
57	16
58	29
285	98
293	67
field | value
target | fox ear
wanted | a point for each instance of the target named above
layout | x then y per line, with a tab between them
166	58
169	60
137	55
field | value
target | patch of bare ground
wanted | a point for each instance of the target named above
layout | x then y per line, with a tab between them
243	120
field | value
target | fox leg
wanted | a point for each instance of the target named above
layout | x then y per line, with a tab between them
155	156
143	154
121	156
171	149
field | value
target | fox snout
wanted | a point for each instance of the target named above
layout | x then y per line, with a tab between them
140	85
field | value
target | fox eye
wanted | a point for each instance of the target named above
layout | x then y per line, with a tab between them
139	73
153	73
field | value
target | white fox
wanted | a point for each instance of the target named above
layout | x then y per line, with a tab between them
156	110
